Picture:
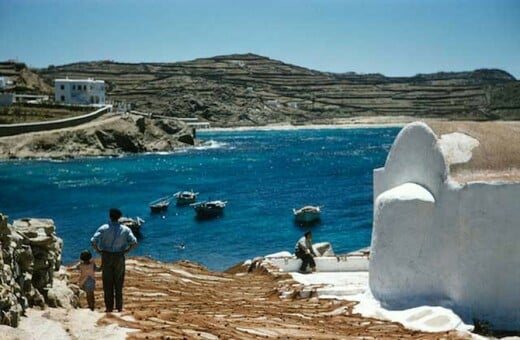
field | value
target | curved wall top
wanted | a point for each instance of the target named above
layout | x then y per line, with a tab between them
414	157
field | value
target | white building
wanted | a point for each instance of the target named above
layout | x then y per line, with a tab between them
79	91
4	82
447	222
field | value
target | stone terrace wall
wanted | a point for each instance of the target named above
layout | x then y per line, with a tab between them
30	258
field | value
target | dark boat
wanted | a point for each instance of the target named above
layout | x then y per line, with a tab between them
209	209
160	204
133	224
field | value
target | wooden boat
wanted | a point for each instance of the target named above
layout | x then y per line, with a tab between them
209	209
186	197
133	224
160	204
307	214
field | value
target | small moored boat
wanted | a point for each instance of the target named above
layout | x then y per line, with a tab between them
133	224
160	204
209	209
186	197
307	214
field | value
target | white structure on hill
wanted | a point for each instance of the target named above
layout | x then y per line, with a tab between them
79	91
5	82
437	241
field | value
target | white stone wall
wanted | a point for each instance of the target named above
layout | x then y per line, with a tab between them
440	243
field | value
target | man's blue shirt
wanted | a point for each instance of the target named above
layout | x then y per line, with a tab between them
113	237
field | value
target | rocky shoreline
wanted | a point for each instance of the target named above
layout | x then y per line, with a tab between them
110	135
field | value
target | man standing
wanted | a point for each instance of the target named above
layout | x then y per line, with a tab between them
113	240
304	251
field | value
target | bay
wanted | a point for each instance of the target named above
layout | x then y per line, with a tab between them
262	175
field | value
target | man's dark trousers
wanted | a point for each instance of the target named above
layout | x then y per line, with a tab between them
307	259
113	265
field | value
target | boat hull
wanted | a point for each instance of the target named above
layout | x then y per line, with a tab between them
158	208
307	217
307	214
186	197
209	209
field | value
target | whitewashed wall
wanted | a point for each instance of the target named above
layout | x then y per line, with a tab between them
440	243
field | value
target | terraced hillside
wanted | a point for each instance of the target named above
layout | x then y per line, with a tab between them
24	80
248	89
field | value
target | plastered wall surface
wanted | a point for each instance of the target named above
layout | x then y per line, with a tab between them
441	243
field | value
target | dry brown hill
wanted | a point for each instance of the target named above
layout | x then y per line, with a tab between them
24	79
247	89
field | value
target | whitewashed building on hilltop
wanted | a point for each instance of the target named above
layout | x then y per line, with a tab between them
447	221
4	82
79	91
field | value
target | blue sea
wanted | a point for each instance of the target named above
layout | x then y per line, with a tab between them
262	175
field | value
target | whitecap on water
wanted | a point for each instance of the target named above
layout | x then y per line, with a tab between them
210	144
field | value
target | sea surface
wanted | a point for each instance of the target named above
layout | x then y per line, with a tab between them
262	175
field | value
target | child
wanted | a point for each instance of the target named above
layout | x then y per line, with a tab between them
87	277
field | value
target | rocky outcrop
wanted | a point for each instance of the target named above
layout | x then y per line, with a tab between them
30	257
108	136
247	89
24	80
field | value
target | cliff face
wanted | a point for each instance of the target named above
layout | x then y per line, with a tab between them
238	90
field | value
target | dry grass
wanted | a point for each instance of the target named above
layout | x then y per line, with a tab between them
497	158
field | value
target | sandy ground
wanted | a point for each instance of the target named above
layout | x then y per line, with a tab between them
60	323
337	123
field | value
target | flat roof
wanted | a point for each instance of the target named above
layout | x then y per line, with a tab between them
88	80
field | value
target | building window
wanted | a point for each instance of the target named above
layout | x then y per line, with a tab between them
62	87
62	98
73	87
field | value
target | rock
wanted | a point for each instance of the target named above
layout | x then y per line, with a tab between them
30	254
60	295
187	139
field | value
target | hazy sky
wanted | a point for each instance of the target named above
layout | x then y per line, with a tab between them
393	37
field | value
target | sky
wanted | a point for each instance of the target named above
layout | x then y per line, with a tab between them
392	37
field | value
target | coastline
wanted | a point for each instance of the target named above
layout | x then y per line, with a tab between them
335	123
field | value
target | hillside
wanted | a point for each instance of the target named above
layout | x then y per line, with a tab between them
248	89
24	79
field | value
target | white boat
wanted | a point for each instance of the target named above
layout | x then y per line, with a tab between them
185	197
208	209
307	214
